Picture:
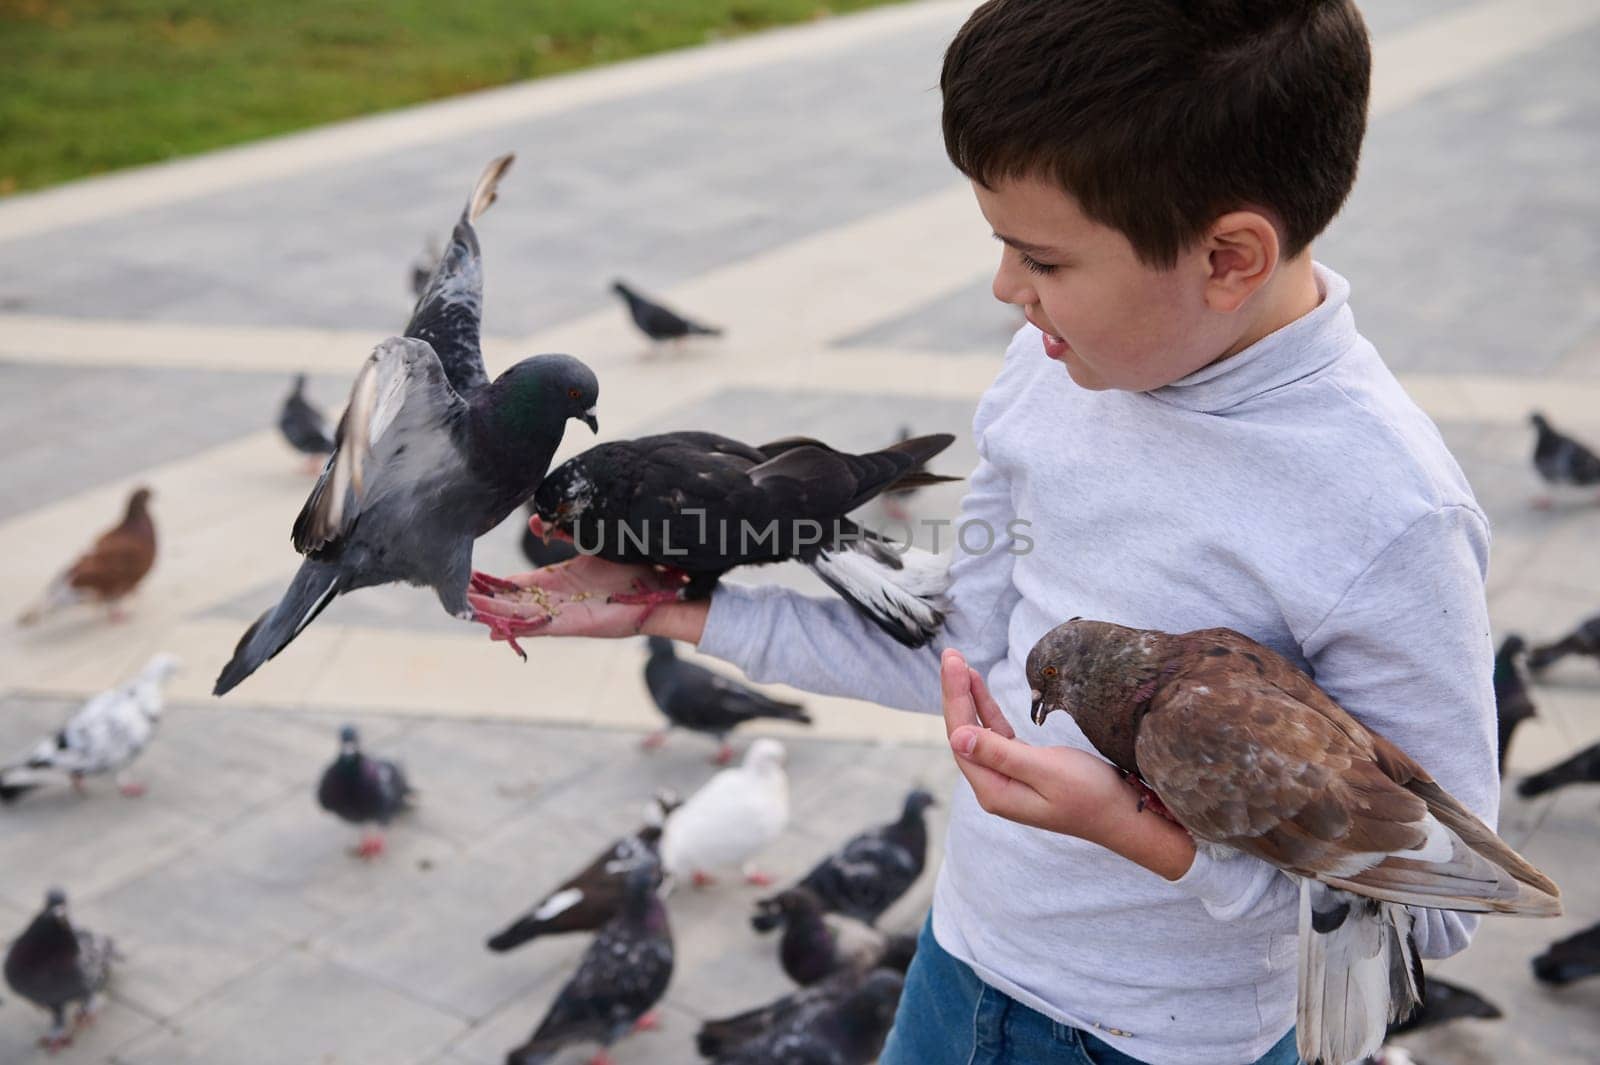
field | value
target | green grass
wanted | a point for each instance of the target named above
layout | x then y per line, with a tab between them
88	86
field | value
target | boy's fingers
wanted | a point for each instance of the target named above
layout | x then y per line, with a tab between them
999	794
956	689
1008	757
988	709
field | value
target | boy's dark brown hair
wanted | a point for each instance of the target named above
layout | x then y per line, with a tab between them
1160	115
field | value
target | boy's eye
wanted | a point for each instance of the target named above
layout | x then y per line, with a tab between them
1034	266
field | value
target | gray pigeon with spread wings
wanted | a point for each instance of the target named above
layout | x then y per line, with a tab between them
105	735
1248	754
53	964
430	455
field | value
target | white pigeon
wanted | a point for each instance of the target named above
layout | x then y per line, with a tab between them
106	735
725	823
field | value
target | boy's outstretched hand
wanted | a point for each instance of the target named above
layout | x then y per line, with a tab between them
573	598
1059	789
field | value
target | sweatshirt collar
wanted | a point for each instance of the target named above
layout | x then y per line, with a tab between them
1301	349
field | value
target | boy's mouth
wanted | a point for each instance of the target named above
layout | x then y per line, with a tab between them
1054	346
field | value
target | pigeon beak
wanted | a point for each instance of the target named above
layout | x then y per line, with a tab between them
1039	711
538	528
588	418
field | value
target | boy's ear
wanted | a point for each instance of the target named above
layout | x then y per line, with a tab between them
1241	251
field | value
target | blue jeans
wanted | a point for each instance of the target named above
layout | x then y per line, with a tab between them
948	1016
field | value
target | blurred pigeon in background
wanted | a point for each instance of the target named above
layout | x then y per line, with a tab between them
701	700
620	978
364	791
1443	1002
816	945
1581	768
53	965
731	818
700	505
1569	960
789	1012
873	869
430	456
305	427
1583	640
657	322
110	570
424	266
105	735
846	1029
1244	750
594	896
1561	460
1512	703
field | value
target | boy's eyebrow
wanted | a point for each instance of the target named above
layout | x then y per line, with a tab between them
1022	245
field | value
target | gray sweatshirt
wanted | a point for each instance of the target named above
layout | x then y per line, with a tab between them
1292	492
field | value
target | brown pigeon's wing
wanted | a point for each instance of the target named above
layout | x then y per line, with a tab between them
1240	761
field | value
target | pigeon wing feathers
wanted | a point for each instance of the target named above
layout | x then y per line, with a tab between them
401	382
449	312
1239	760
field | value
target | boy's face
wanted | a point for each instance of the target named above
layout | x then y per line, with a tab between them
1113	321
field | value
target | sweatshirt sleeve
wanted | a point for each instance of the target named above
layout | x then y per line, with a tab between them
824	646
1408	651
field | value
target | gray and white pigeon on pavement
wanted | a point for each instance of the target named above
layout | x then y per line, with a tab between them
702	700
1561	460
304	426
658	322
594	896
730	819
619	979
846	1028
105	735
53	965
430	456
365	791
873	869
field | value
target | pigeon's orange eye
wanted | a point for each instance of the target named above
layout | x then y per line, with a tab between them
1050	671
573	393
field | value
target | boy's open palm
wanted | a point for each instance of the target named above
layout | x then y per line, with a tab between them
571	598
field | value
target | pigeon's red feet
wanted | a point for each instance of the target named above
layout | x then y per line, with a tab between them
77	787
701	879
602	1058
508	629
654	740
1149	800
55	1042
648	1023
759	879
488	584
313	465
131	789
895	512
644	595
723	756
116	615
371	846
1542	502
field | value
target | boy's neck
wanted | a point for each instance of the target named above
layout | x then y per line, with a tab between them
1291	294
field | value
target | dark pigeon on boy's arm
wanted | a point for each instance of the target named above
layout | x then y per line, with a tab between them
620	978
1246	752
1581	768
1583	640
303	425
54	964
698	505
702	700
1512	703
1561	459
656	321
1569	960
847	1030
872	870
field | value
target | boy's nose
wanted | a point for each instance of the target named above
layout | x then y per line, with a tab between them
1011	283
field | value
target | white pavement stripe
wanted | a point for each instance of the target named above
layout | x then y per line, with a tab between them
362	138
1457	46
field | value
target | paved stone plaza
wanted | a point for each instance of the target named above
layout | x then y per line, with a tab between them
790	187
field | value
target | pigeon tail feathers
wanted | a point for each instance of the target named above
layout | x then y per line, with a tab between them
902	594
314	586
1359	970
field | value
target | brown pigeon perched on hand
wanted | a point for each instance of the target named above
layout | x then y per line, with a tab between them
1247	753
110	570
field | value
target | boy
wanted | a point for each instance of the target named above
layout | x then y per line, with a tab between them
1195	435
